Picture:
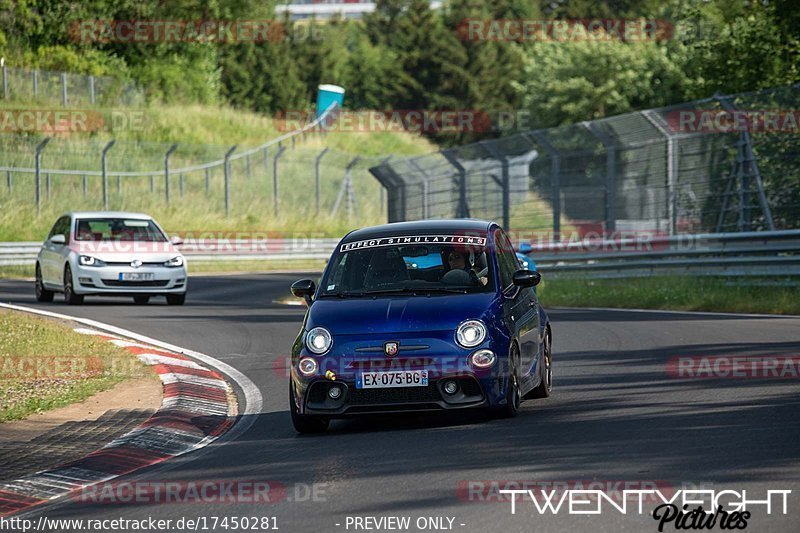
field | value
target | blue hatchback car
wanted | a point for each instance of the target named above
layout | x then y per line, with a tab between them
419	316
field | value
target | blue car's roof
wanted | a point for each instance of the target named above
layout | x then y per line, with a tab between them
421	227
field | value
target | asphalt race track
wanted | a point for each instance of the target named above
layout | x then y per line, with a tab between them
616	415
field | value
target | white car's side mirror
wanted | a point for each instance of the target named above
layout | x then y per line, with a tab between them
58	239
176	240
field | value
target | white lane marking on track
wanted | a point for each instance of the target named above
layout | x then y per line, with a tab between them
158	359
253	399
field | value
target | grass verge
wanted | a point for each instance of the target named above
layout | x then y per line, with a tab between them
45	365
758	295
305	265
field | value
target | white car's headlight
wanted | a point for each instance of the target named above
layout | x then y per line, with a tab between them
470	333
175	262
89	261
319	340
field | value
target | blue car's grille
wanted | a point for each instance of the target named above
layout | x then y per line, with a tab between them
398	395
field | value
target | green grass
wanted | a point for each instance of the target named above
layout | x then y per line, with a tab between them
45	365
763	295
300	265
203	134
16	271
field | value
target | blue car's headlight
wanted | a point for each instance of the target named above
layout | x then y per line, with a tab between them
319	340
89	261
470	333
483	358
307	366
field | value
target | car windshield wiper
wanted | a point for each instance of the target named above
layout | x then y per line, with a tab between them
344	294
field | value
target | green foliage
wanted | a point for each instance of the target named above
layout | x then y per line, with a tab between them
407	56
584	80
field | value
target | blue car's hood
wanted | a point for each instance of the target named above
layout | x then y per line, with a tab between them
397	314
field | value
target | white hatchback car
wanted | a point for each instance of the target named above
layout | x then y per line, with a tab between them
110	253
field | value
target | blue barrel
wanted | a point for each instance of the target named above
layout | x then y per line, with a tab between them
329	94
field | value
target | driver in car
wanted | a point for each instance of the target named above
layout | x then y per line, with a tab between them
457	260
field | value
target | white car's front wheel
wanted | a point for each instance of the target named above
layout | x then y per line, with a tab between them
42	294
69	289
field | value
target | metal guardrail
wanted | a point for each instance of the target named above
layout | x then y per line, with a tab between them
24	253
767	253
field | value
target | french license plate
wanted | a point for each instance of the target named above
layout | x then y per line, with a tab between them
136	276
396	378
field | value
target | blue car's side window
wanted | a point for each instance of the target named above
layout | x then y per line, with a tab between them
506	259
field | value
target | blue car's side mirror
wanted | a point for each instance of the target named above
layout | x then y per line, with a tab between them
526	278
304	288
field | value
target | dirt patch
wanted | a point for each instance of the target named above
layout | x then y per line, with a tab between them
48	439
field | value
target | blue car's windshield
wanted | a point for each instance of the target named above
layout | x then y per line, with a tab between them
423	269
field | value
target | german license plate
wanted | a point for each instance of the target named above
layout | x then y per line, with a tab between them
136	276
397	378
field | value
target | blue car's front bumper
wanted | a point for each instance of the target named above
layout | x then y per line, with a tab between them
439	356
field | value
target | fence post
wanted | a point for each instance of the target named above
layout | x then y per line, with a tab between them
152	183
227	165
166	171
672	170
316	174
345	190
750	158
611	174
504	182
182	183
38	170
36	83
64	99
382	191
281	149
48	186
85	185
461	182
5	81
105	176
555	178
8	181
91	90
425	189
208	179
247	165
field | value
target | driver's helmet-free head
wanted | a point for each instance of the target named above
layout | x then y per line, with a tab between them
84	230
468	255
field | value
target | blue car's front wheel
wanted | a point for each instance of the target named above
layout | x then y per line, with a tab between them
513	397
546	370
305	423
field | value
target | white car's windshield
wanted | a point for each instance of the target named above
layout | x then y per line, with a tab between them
412	269
118	229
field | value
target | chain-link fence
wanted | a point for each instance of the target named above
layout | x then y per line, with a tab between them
291	182
67	89
726	163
